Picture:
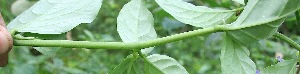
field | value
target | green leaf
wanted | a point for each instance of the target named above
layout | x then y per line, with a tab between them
56	16
235	59
135	24
285	67
162	64
258	12
151	69
199	16
240	1
47	50
261	19
136	69
125	64
251	35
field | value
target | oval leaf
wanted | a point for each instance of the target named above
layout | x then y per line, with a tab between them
135	24
166	64
285	67
251	35
258	12
56	16
199	16
261	18
235	59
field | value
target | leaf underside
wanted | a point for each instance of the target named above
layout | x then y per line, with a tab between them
135	24
235	59
261	19
253	34
199	16
285	67
165	64
259	12
56	16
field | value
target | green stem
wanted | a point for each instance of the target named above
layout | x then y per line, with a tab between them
116	45
287	40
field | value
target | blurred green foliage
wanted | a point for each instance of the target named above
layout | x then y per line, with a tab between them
199	55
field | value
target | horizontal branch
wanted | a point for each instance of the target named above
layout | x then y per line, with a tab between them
115	45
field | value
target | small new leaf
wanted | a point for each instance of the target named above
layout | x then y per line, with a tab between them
199	16
56	16
164	64
235	59
135	24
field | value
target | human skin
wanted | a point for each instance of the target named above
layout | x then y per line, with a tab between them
6	43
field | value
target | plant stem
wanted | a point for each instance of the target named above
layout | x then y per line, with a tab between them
115	45
287	40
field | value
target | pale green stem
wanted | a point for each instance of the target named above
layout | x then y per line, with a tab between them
287	40
115	45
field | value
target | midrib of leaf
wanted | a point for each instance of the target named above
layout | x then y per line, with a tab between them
250	11
198	16
208	11
236	57
214	19
240	61
247	33
209	18
138	22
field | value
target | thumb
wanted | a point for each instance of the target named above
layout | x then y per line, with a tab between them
6	43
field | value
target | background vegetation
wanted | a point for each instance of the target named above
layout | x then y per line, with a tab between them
199	55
